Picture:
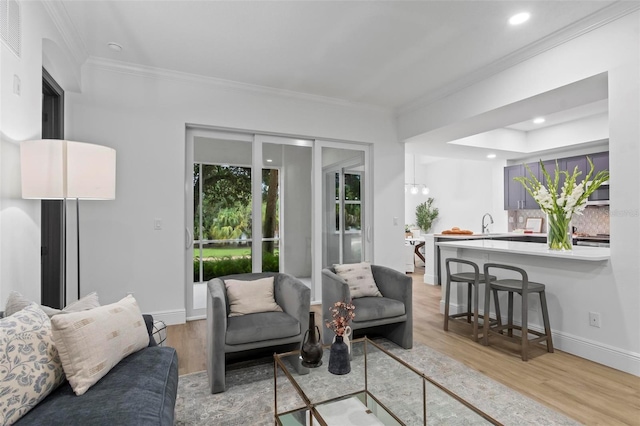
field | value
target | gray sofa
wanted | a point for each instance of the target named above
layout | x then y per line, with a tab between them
252	333
390	316
140	390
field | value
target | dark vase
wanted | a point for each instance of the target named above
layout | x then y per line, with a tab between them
339	357
311	349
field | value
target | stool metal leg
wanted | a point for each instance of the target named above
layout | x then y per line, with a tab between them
469	294
525	326
476	318
545	319
446	304
510	315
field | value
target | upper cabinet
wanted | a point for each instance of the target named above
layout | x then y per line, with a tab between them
517	198
600	162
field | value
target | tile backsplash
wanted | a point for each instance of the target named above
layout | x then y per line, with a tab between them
594	220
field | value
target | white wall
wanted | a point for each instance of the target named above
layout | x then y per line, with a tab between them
463	191
143	118
20	119
612	49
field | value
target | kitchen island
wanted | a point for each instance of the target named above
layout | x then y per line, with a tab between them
573	280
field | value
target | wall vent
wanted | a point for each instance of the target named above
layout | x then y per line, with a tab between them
10	25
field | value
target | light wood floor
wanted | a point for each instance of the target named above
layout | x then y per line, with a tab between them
583	390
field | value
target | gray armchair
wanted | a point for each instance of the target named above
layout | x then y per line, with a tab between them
279	330
390	316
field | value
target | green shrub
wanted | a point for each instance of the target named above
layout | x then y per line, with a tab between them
228	266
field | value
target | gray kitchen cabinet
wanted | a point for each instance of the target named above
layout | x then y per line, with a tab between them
600	161
515	196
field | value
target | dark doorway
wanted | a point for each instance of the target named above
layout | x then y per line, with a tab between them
52	278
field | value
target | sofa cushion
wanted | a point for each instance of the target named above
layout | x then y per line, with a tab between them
261	326
30	368
359	278
17	301
140	390
92	342
375	308
250	297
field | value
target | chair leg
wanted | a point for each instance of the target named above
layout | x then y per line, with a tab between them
510	315
545	319
487	312
469	302
475	312
525	327
496	302
446	305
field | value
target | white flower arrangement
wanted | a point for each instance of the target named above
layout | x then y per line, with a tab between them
560	206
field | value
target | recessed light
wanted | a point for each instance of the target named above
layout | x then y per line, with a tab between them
114	46
519	18
491	156
539	120
269	160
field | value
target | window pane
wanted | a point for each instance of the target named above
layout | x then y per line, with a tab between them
352	187
352	217
226	221
196	201
222	258
270	203
271	256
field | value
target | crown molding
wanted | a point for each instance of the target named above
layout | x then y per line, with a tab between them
67	29
200	80
590	23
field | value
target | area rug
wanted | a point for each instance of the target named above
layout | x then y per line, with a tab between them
249	398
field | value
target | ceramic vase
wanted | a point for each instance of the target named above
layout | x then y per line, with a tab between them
311	349
339	357
346	338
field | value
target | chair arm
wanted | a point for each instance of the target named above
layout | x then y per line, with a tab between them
393	284
216	334
334	289
294	298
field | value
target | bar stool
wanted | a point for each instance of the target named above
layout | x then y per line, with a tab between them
523	287
473	280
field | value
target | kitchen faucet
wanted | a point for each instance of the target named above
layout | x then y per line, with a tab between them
486	227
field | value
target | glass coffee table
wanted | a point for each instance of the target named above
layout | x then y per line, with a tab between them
381	389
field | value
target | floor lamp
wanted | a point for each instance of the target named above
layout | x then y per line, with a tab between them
54	169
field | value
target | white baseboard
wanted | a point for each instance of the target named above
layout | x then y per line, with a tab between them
171	317
429	279
601	353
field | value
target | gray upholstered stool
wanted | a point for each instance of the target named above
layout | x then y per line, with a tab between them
523	287
473	280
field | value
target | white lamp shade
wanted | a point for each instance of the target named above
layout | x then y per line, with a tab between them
57	169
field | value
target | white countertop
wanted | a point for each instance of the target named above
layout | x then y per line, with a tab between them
532	249
492	235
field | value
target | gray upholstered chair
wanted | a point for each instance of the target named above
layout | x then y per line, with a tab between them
282	331
390	316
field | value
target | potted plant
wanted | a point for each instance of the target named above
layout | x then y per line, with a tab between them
426	214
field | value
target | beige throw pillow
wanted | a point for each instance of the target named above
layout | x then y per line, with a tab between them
251	297
17	301
30	368
91	343
360	279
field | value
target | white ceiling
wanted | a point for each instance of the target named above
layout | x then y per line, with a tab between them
383	53
387	54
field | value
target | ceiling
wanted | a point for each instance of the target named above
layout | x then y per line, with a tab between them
386	54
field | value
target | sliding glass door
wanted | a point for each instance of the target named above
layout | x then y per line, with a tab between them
343	232
248	208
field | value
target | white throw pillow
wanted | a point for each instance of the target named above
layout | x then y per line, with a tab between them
30	368
92	342
251	297
17	302
360	279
